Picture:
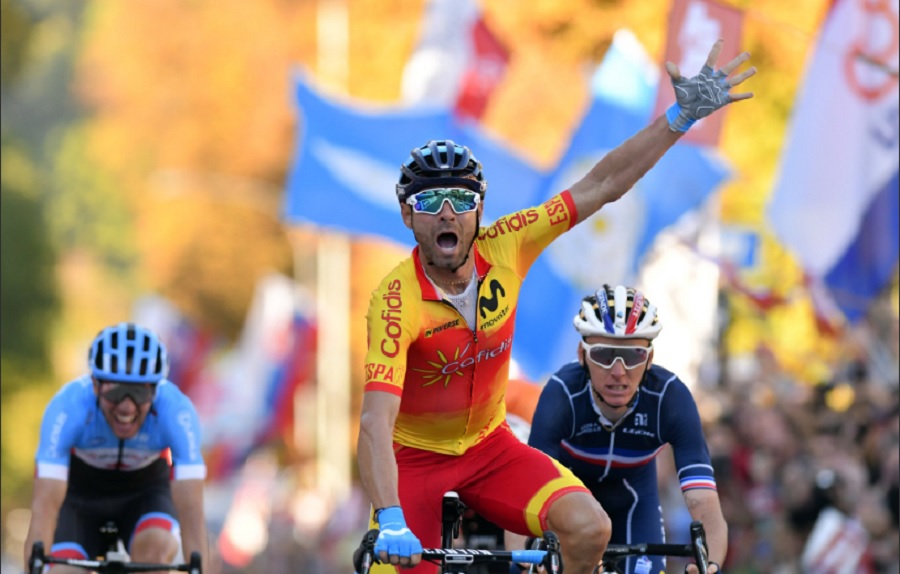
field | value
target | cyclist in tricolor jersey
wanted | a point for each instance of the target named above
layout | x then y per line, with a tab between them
609	413
121	443
440	328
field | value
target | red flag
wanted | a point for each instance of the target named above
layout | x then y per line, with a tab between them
458	60
694	26
485	71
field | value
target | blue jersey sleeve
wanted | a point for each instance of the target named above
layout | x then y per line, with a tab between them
681	427
64	419
180	425
553	419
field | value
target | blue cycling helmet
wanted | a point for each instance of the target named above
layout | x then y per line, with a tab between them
440	163
128	353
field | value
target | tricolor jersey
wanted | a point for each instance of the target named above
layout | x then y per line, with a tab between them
452	381
73	425
615	462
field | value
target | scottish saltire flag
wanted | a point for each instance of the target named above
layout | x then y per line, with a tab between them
835	204
608	247
348	161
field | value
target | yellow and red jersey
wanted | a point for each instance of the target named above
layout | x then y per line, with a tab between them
452	381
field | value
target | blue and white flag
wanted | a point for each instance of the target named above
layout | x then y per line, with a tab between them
835	204
608	247
348	161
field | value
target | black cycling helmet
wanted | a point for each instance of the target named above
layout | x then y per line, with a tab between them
128	353
440	163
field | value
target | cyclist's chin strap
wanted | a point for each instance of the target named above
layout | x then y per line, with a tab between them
471	243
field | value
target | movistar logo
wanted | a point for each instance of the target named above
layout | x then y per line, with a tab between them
491	303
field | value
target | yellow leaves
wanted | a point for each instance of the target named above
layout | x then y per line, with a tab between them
18	172
20	421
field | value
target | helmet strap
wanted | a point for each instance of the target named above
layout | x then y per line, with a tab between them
471	243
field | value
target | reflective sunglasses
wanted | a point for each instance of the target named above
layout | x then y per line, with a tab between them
606	355
140	393
431	201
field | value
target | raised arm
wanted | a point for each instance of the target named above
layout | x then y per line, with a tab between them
46	500
696	98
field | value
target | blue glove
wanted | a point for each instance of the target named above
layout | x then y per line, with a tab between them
394	537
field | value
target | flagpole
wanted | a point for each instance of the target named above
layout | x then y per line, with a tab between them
333	290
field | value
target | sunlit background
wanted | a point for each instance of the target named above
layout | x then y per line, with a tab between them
223	172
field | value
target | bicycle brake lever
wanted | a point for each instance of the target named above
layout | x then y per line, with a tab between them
698	541
553	562
364	556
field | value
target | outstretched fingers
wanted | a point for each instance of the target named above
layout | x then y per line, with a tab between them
714	53
737	80
672	69
733	64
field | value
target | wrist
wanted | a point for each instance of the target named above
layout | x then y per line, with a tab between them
678	119
392	514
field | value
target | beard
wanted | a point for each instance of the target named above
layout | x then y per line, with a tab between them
435	256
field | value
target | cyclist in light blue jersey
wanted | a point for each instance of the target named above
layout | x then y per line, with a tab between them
121	444
609	413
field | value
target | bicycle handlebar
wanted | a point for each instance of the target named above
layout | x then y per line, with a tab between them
364	557
39	560
696	549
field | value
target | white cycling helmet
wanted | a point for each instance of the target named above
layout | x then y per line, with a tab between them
619	313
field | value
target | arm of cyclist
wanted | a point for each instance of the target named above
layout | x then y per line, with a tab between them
696	97
378	471
704	506
46	500
188	498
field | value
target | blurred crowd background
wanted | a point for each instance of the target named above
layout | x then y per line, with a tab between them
158	166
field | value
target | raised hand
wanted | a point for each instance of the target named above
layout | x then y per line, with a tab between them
706	92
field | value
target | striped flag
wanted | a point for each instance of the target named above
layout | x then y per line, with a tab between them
835	206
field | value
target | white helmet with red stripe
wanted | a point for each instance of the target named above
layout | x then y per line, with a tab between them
619	313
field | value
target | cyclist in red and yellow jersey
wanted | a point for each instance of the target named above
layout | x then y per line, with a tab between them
440	329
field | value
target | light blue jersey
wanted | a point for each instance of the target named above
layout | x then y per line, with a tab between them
74	425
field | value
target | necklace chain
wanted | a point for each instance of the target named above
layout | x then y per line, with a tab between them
445	282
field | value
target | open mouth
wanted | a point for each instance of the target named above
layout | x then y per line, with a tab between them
125	419
447	240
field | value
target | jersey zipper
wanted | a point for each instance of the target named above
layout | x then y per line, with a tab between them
121	449
474	331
